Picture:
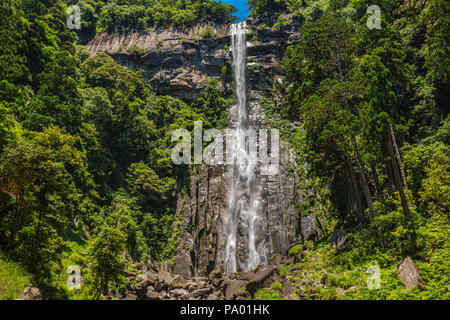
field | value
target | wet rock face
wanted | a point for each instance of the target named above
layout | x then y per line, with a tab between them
202	240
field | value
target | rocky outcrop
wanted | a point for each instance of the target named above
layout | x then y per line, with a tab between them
175	62
260	279
31	293
153	285
409	274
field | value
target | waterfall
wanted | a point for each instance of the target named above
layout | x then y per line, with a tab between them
244	199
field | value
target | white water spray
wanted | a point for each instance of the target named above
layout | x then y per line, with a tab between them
244	201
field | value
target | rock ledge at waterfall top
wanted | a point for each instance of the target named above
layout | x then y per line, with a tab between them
180	63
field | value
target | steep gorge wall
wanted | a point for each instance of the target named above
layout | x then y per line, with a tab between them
174	62
180	64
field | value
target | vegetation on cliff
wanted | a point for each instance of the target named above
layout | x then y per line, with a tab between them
139	15
373	106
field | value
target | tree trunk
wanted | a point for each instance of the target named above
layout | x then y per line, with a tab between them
398	182
354	189
397	153
364	183
377	183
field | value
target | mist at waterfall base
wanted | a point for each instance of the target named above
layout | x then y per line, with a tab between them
241	6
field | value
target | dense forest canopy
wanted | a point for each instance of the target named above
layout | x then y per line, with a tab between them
373	106
85	142
122	15
85	168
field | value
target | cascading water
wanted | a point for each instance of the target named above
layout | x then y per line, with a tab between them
243	200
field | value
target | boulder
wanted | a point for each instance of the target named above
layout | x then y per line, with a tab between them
159	286
192	286
179	292
183	264
287	290
152	294
309	228
245	276
31	293
152	277
200	280
258	280
200	292
130	296
213	296
276	259
242	294
338	239
231	291
164	277
215	274
178	282
409	274
143	281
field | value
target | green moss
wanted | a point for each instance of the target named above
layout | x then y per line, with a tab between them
208	33
276	286
13	279
268	294
295	250
135	49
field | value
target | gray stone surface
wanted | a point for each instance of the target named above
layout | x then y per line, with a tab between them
409	274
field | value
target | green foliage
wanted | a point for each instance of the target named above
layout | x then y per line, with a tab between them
268	294
136	50
208	33
360	108
43	175
13	279
84	143
85	169
123	15
295	250
212	105
281	23
105	252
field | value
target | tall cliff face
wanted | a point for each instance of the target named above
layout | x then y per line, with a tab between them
180	64
174	62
